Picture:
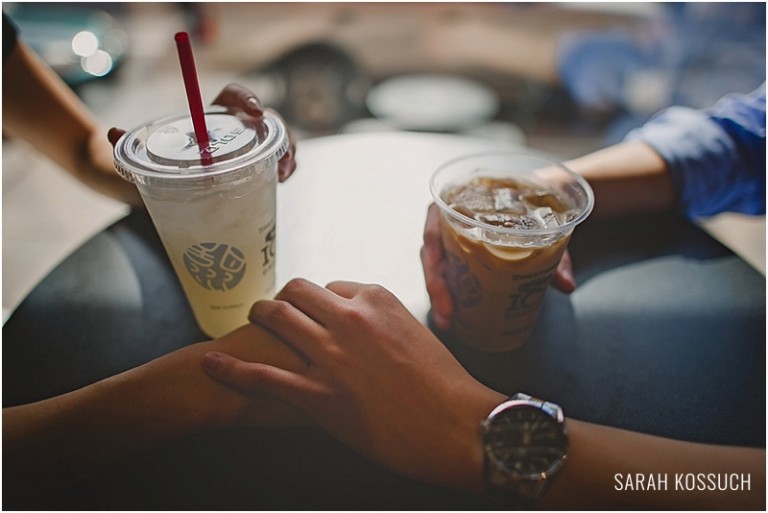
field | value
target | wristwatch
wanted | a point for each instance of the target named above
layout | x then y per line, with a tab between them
525	444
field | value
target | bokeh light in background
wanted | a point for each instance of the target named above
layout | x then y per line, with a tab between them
85	43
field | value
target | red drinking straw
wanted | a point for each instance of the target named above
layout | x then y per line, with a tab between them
189	72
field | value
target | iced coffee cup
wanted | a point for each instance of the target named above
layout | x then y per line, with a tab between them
214	206
506	220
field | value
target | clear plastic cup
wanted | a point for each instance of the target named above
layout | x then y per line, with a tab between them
213	207
506	220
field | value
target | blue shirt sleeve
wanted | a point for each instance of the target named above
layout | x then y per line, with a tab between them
716	157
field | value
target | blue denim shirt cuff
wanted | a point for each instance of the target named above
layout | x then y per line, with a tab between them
700	158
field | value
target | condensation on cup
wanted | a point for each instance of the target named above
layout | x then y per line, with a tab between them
506	219
213	207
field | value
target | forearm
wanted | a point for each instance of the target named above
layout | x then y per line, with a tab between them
33	92
602	459
627	178
41	109
54	441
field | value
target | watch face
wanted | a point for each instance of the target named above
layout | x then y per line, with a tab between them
525	441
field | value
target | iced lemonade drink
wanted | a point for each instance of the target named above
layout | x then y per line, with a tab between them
225	266
214	207
506	220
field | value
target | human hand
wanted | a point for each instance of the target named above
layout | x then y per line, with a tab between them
98	171
178	396
250	343
241	100
433	265
376	378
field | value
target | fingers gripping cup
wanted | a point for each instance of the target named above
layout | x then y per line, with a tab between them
506	220
214	207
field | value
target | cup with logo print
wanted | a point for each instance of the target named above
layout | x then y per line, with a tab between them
506	219
214	207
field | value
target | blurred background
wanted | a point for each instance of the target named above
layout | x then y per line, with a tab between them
566	78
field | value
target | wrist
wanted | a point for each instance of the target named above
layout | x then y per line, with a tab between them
468	465
95	168
91	154
209	405
173	395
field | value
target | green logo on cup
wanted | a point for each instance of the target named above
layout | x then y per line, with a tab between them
215	266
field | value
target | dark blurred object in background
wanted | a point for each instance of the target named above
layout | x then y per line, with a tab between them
323	87
326	56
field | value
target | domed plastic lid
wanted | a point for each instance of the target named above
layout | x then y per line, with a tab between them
165	152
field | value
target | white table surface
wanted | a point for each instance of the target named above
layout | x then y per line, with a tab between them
47	214
355	209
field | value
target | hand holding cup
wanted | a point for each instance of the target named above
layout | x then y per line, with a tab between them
242	101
